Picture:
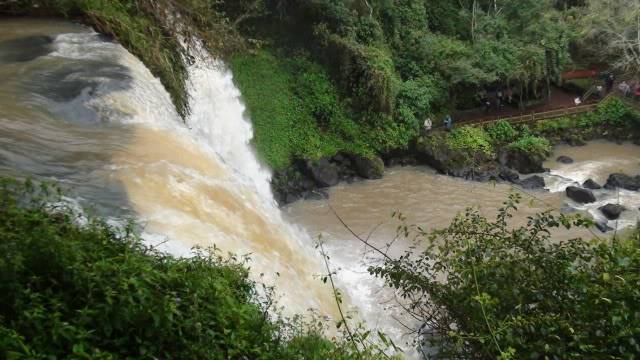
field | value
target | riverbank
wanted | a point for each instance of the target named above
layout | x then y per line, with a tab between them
496	152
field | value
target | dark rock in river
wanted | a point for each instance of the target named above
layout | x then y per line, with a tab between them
612	211
368	167
590	184
292	183
580	195
575	140
564	160
622	181
531	183
603	227
323	172
521	161
509	175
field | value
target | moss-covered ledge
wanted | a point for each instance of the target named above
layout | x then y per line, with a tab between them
134	24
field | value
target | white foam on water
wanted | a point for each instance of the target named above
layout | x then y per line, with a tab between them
197	181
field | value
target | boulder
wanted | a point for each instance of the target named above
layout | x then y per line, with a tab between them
580	195
509	175
521	161
575	140
590	184
368	167
612	211
603	227
532	183
564	160
622	181
291	184
323	172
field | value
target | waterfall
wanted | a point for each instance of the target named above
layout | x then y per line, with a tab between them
100	124
120	144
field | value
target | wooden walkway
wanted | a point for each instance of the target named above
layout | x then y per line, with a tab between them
551	114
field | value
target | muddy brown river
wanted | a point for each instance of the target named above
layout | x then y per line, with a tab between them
81	111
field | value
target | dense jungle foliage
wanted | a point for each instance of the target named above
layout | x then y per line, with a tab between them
358	76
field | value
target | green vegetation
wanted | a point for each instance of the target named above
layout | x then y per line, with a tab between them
533	145
392	63
612	117
475	145
91	291
471	142
295	109
501	132
490	290
325	76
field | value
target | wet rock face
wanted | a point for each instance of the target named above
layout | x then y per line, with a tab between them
368	167
509	175
25	48
533	183
580	195
590	184
323	172
603	227
623	181
612	211
564	160
523	162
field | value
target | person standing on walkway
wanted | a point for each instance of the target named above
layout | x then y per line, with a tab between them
448	122
499	98
428	124
509	94
624	88
609	82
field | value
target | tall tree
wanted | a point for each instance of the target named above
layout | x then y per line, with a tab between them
611	30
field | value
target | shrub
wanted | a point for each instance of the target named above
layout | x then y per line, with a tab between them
295	109
614	112
534	145
94	292
501	132
471	141
554	126
485	289
589	121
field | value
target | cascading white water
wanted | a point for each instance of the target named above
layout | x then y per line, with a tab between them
97	120
597	161
89	115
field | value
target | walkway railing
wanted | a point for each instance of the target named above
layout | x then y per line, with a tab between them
550	114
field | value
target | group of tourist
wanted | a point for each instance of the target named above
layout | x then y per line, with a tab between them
630	89
502	97
428	124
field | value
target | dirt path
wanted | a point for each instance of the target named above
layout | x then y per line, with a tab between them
560	99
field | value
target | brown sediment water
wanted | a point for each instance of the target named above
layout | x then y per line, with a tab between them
431	201
82	111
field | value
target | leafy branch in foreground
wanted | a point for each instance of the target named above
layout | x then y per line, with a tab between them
91	291
485	289
482	289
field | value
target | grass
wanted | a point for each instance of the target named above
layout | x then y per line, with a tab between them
295	109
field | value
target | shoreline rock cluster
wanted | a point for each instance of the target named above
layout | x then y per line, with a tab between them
311	179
